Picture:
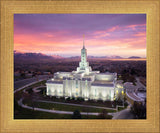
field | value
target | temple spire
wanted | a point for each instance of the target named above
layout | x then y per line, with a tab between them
83	43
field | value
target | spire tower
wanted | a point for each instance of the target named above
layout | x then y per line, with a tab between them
84	65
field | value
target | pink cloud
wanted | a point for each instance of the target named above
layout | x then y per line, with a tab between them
113	29
141	34
58	42
48	35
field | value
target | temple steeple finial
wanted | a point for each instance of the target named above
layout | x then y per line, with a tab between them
83	42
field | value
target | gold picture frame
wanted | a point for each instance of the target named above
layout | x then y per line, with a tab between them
11	7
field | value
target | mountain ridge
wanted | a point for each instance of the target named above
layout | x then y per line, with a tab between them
19	55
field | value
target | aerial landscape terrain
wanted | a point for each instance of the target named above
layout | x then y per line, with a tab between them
37	66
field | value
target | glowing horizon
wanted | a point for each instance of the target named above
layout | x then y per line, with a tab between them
62	34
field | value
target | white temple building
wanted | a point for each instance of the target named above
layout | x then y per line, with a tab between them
85	83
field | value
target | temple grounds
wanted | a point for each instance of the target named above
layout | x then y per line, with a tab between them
33	94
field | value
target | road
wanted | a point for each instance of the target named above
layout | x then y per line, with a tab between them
132	90
139	84
124	114
133	96
16	90
21	83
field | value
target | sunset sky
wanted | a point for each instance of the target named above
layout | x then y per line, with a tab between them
62	34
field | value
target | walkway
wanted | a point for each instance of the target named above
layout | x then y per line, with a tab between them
52	111
81	105
124	114
36	89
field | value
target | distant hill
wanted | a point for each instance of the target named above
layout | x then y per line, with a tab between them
91	57
33	57
74	57
134	57
97	57
106	57
115	57
57	56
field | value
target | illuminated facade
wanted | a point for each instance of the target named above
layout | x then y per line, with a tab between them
85	83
